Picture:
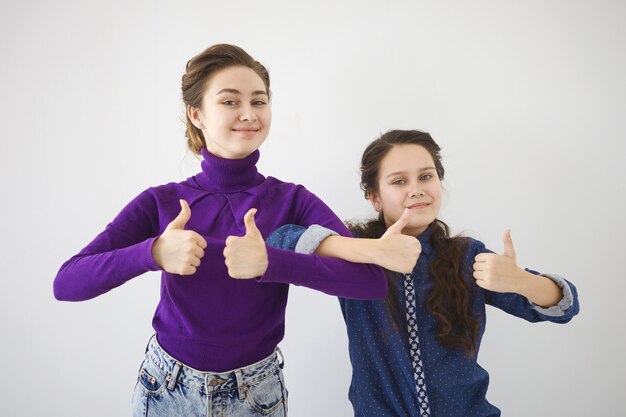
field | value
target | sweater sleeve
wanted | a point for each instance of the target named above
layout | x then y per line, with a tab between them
121	252
329	275
520	306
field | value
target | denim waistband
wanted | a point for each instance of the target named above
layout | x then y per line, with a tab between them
211	382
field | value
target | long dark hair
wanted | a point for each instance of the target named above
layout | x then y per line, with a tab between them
450	298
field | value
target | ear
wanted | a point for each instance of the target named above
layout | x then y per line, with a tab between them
194	115
375	200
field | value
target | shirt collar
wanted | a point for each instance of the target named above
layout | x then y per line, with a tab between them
424	240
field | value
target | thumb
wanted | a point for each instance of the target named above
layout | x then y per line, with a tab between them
509	249
183	217
251	229
400	223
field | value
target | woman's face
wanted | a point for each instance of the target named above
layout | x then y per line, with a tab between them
235	116
408	179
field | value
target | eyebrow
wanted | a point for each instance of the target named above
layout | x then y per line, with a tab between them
393	174
234	91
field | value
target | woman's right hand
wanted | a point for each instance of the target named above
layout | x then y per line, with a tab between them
179	251
395	251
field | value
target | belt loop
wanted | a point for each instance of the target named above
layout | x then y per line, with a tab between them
173	377
240	386
281	361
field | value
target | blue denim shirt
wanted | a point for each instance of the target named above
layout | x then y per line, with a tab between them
382	373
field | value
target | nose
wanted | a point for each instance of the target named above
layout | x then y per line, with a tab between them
416	192
247	114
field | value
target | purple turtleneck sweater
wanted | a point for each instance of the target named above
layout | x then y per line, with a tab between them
208	320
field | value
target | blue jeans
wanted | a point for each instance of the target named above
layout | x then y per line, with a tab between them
166	387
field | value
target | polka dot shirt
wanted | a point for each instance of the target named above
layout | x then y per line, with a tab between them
382	371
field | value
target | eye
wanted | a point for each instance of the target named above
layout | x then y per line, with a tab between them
426	177
258	102
398	181
229	102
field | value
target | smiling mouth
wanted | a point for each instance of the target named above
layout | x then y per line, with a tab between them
246	132
419	205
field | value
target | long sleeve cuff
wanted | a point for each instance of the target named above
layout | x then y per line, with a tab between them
149	261
565	303
310	240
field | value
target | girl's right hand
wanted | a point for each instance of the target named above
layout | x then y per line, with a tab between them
395	251
179	251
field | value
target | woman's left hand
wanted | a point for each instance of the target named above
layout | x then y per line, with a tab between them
246	256
499	273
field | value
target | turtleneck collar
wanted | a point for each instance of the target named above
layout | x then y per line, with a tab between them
229	175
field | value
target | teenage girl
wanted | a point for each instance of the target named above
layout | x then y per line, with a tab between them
215	348
415	354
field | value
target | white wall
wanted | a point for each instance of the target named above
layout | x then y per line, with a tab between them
527	99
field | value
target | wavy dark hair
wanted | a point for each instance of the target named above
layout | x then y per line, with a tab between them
450	298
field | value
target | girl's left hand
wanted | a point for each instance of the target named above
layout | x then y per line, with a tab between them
246	256
499	273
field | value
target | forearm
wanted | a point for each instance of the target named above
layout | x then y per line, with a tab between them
538	289
325	274
99	268
92	273
120	252
348	249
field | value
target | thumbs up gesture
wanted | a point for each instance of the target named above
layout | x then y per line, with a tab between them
398	252
499	273
246	256
179	251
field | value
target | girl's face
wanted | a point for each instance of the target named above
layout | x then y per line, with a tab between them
407	179
235	117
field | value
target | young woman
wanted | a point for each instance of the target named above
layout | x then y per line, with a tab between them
215	348
415	354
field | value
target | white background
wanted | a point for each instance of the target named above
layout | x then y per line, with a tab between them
527	99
